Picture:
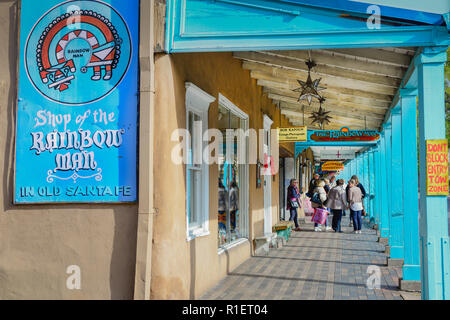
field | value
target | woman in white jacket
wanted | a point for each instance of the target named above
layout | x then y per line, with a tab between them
322	195
337	202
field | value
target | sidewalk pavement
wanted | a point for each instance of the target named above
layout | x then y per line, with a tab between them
314	266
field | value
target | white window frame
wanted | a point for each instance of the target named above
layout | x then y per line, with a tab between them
198	102
244	215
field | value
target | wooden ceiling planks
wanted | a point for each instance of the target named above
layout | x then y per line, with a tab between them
360	83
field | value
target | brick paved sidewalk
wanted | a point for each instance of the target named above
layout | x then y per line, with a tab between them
313	265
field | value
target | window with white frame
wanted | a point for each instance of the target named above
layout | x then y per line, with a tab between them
233	184
197	170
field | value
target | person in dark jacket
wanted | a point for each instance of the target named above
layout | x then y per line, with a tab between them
312	185
293	196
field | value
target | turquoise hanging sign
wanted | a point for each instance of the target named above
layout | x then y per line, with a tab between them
77	106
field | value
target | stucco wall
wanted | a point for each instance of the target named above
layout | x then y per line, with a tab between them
39	242
182	269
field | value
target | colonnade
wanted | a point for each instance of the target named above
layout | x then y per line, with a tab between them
413	224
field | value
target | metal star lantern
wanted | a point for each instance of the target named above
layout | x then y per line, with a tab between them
321	116
309	89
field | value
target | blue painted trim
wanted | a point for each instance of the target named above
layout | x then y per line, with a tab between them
411	267
433	227
170	26
396	183
266	5
197	26
446	18
387	11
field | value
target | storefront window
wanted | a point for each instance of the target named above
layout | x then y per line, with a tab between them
197	171
194	171
233	183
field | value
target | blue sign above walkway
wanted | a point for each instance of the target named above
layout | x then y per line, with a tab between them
77	110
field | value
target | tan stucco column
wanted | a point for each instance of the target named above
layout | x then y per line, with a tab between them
146	128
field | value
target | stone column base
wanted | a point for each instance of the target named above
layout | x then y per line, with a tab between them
383	240
395	262
412	286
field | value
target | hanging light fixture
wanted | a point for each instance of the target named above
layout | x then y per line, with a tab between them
321	116
309	89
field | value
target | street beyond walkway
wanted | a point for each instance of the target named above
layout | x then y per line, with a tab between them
314	266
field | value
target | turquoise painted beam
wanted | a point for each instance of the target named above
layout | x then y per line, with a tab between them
447	20
433	230
378	203
396	187
211	26
411	266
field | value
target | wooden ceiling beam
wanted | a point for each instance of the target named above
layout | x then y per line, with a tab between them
345	94
378	55
330	101
266	72
299	122
335	119
329	58
319	71
334	110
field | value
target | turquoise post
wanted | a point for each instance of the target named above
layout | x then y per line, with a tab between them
353	167
396	184
411	266
372	185
384	189
360	169
434	240
377	186
388	142
365	179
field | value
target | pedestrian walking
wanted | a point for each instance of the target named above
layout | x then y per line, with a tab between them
347	190
363	191
333	182
318	201
293	202
312	185
337	202
327	185
355	201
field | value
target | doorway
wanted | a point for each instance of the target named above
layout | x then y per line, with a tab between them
267	177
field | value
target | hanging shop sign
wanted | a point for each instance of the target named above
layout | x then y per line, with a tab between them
292	134
437	167
344	134
77	106
332	166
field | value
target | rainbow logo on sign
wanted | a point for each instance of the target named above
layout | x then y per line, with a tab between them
78	44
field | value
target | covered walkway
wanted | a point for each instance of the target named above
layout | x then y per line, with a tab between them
381	94
314	266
